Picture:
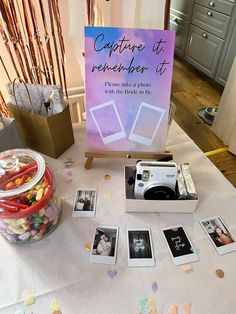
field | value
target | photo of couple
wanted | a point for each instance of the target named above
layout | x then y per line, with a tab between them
84	203
104	242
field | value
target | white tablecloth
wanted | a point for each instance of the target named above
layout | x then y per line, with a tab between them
58	267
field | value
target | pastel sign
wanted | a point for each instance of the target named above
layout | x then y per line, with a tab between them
128	83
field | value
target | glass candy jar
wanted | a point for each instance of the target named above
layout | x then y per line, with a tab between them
29	207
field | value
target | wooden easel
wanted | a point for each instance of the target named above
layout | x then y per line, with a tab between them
129	155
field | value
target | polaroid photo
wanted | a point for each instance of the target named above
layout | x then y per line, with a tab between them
219	234
108	122
140	249
104	245
179	245
84	203
146	114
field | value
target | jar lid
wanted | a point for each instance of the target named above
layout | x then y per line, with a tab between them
20	169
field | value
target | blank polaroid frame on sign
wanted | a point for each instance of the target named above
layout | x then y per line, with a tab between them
142	139
117	135
226	248
190	256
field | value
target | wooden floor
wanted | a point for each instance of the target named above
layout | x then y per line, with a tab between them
190	92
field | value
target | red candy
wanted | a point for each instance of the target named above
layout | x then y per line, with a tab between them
10	185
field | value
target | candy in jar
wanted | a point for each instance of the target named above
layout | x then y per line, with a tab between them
29	206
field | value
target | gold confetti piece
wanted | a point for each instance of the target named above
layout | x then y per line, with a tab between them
57	312
186	267
29	300
54	306
173	309
186	307
220	273
107	177
106	195
151	305
87	246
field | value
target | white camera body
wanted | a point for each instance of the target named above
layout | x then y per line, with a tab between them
155	180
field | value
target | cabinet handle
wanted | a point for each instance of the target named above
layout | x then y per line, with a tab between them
176	20
212	3
209	13
204	35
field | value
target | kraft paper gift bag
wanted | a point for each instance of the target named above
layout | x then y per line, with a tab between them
10	136
50	135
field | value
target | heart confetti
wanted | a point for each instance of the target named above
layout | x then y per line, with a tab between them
87	246
29	300
220	273
173	309
69	173
154	286
112	273
186	267
143	303
107	177
106	195
186	307
54	306
152	306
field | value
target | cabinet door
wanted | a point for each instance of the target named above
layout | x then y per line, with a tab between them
203	50
181	31
227	57
183	8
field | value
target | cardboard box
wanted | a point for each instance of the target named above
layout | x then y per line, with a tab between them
153	206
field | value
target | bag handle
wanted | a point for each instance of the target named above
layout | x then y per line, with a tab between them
14	93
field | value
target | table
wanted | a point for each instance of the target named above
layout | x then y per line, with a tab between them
58	267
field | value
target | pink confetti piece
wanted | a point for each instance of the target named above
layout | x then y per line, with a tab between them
186	267
186	307
173	309
69	180
69	173
112	273
154	286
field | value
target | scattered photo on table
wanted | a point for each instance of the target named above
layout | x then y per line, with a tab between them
84	203
219	234
140	249
104	245
179	245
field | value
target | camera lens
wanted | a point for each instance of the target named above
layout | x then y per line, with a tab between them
160	193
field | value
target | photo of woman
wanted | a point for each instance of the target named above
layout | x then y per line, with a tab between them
221	238
218	233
